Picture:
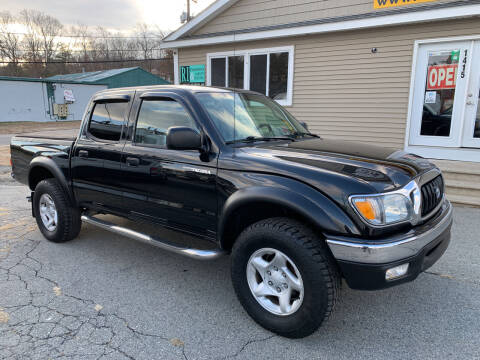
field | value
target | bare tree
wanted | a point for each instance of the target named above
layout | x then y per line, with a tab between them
124	48
42	51
83	40
42	34
9	42
101	45
62	58
148	42
31	40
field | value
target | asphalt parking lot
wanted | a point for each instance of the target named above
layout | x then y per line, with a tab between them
103	296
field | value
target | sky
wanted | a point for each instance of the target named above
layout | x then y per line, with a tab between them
119	15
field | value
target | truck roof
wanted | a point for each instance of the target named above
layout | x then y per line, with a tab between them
188	88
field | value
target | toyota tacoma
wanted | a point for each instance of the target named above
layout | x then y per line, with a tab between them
231	168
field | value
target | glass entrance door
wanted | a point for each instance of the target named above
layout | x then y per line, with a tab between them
441	82
446	95
471	130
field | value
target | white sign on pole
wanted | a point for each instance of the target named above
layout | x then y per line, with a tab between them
68	95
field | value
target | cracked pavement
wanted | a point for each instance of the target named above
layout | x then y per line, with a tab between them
102	296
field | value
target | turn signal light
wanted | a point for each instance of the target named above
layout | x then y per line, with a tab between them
366	209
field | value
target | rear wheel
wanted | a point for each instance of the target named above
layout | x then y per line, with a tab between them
284	277
56	218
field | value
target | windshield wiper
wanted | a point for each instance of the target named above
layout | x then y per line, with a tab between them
251	139
298	134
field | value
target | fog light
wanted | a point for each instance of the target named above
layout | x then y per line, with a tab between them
396	272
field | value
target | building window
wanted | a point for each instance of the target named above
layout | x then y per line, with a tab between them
218	68
277	83
235	71
227	71
258	73
267	71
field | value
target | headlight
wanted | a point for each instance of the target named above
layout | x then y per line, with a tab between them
383	209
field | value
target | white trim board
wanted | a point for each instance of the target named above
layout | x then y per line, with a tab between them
202	18
176	72
388	20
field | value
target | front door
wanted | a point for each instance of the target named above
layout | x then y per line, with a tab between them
446	96
471	134
174	187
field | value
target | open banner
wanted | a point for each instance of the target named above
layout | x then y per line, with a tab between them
442	77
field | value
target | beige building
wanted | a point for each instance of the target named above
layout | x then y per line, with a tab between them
398	73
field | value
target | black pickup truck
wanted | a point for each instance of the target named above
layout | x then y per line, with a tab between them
296	212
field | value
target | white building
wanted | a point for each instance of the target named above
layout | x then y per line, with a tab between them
29	99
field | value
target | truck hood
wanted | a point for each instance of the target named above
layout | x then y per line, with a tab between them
338	168
367	162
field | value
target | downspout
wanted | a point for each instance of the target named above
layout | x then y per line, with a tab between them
46	104
51	99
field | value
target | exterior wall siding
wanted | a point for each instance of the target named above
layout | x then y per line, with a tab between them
29	101
341	89
82	93
22	101
246	14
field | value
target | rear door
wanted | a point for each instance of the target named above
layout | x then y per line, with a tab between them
98	152
173	187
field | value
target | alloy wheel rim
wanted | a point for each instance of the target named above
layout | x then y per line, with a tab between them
275	281
48	212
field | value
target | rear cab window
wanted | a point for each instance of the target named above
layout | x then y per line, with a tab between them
106	121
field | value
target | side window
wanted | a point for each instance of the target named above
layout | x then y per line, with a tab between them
156	116
107	120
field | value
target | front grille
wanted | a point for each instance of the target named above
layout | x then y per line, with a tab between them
432	195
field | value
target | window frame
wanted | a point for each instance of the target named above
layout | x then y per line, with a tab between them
91	136
160	98
246	68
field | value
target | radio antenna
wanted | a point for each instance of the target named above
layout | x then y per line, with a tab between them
234	94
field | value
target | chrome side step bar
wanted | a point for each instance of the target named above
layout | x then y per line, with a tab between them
135	235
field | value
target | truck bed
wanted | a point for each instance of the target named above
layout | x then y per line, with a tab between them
55	145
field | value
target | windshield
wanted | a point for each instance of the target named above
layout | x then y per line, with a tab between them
256	117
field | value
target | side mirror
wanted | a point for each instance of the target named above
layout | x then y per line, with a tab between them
304	124
183	138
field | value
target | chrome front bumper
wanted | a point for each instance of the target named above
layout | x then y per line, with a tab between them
398	247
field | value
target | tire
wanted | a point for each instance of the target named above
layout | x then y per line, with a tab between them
292	241
68	224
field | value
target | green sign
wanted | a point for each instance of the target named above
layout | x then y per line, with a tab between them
192	74
455	56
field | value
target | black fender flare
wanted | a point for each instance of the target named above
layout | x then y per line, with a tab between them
50	165
321	211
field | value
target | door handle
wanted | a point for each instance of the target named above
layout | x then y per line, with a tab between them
83	154
131	161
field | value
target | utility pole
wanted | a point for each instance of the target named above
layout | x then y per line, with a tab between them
189	16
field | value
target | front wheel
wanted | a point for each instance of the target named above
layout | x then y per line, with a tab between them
284	277
56	218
